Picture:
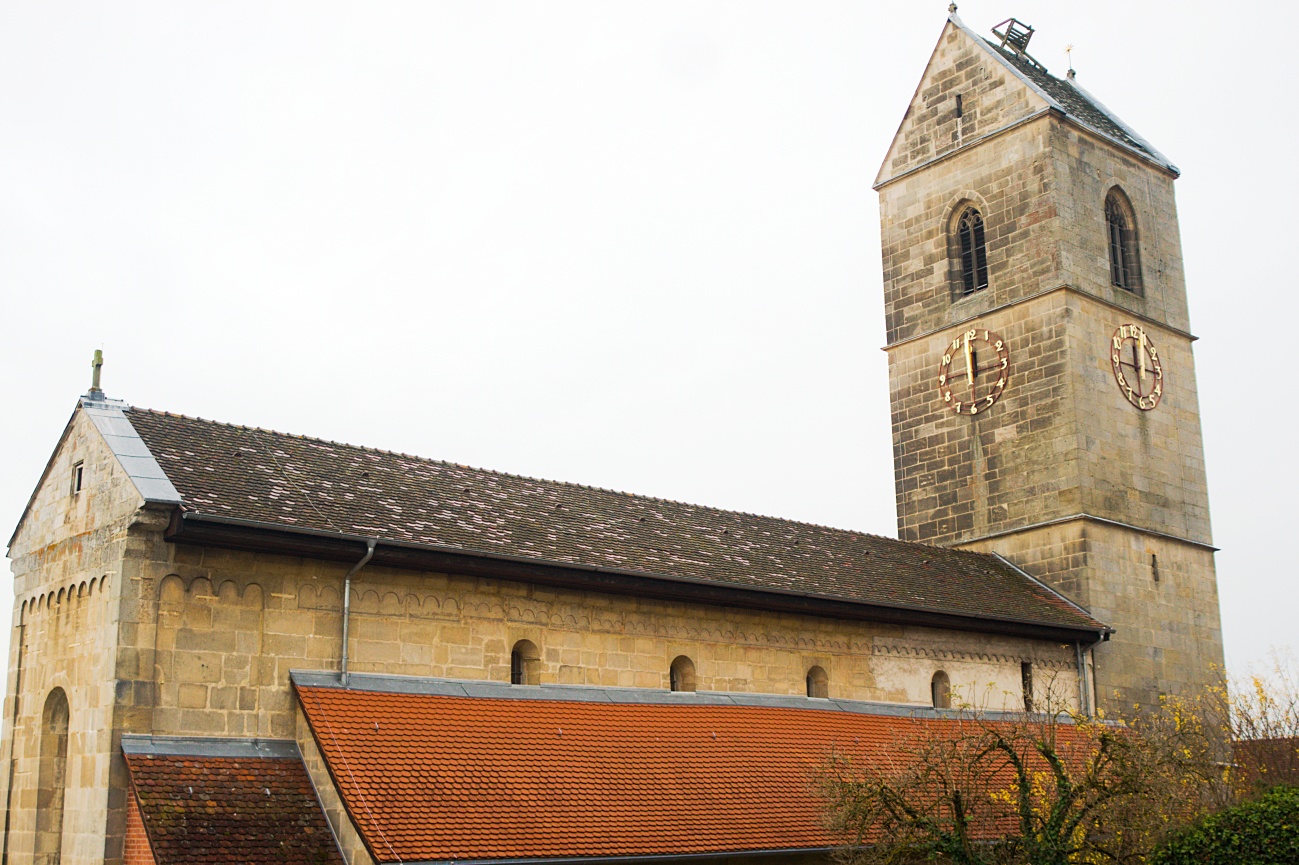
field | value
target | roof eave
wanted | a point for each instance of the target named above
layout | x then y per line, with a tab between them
191	527
648	859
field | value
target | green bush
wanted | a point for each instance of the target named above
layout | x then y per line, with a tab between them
1264	831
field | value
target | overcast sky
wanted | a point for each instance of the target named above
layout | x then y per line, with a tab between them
624	244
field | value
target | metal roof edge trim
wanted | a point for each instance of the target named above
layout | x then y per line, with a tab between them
131	452
209	746
973	620
487	690
1083	515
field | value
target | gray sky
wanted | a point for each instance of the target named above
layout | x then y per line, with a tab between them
624	244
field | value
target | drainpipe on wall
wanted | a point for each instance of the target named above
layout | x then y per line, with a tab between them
1082	680
347	600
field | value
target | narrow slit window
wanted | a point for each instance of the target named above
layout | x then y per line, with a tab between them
973	253
959	107
1154	566
78	476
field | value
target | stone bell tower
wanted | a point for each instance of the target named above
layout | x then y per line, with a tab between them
1041	375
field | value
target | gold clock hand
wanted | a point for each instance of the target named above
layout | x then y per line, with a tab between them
969	362
1141	352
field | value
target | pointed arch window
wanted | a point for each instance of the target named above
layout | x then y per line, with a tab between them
1121	233
973	252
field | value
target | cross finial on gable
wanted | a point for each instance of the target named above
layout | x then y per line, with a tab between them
96	365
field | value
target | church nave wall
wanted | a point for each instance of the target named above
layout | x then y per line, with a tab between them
232	626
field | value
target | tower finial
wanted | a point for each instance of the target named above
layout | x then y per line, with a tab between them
951	8
1068	52
96	365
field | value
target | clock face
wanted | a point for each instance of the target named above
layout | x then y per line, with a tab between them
1137	367
975	369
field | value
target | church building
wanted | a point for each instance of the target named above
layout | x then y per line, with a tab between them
237	645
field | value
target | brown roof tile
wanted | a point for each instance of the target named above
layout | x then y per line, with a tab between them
230	810
296	482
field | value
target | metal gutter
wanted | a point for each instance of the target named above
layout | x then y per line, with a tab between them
463	559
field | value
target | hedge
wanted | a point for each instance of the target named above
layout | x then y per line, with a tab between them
1264	831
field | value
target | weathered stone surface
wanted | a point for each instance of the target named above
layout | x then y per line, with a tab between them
1062	440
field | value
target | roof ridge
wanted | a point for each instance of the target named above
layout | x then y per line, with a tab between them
570	484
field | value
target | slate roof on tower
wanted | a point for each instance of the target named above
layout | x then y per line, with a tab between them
269	479
1073	101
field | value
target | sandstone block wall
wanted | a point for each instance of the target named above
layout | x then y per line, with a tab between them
1062	440
230	627
69	560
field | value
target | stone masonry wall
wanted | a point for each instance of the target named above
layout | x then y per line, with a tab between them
68	570
1160	595
232	625
1062	440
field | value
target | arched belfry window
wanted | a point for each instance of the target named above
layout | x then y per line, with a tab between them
1121	234
681	676
818	683
972	252
51	779
940	690
525	664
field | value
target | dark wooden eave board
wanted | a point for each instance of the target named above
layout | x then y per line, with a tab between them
192	528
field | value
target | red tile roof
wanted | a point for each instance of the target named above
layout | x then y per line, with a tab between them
230	810
432	777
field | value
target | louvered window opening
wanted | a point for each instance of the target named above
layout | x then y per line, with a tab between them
974	254
1123	263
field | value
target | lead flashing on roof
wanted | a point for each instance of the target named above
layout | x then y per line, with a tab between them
485	690
199	746
151	482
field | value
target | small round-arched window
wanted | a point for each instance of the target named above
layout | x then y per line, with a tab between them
940	690
818	683
681	676
525	663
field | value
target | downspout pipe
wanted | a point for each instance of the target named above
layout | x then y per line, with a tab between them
347	599
1082	680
